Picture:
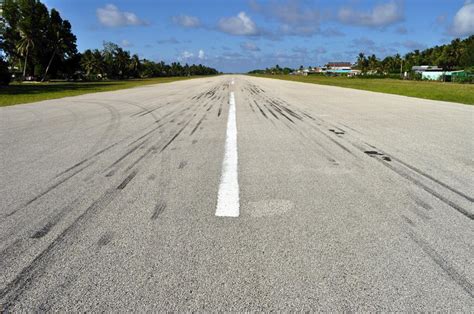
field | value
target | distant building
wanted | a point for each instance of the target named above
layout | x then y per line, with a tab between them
425	68
339	66
441	75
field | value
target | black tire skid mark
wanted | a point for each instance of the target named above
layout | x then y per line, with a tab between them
423	186
460	279
145	138
159	208
154	148
96	154
28	238
14	289
424	174
19	279
386	160
112	126
260	109
46	191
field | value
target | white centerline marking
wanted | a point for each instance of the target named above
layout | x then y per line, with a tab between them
228	195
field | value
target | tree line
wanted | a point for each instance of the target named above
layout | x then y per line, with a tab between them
39	44
457	55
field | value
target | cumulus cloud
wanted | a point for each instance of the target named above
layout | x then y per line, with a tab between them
111	16
186	55
249	46
186	21
241	25
201	54
125	43
292	17
463	22
381	15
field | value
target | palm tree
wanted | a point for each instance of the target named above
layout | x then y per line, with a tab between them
24	44
59	40
373	63
362	62
135	65
92	62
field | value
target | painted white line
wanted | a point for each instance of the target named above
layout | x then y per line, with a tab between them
228	195
232	83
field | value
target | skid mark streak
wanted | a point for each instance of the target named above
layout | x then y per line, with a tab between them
281	112
198	124
52	187
127	180
87	159
30	273
125	156
105	239
467	197
457	277
175	136
44	230
261	111
159	208
460	209
272	113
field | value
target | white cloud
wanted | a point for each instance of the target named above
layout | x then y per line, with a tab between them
293	18
201	54
249	46
111	16
126	43
186	55
463	23
241	25
186	21
381	15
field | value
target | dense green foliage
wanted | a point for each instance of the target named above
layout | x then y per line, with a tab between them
458	55
39	44
4	73
35	40
114	62
273	70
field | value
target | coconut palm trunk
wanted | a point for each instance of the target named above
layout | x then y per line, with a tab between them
49	64
26	60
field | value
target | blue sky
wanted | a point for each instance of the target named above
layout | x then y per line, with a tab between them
240	35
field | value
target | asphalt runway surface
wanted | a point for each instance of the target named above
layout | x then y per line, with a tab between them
236	193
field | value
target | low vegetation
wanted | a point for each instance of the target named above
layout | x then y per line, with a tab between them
460	93
18	93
